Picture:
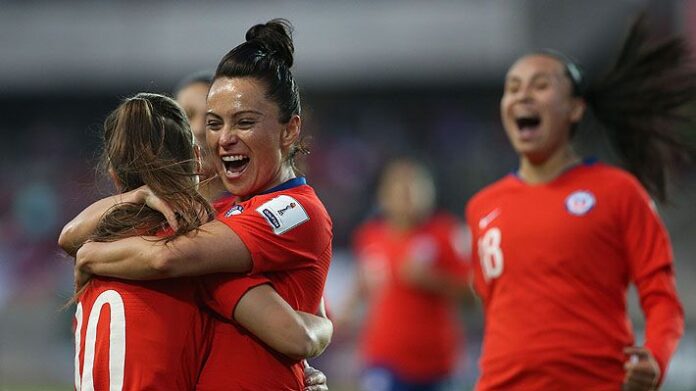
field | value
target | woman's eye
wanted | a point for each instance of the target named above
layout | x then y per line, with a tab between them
246	123
212	125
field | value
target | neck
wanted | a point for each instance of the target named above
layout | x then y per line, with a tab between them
211	189
544	171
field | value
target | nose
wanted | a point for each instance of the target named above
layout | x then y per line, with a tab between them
523	94
228	137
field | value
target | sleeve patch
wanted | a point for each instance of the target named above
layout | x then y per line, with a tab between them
283	213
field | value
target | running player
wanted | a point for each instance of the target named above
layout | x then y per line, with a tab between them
412	270
557	242
273	221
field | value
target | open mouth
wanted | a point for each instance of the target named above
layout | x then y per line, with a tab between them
235	165
527	123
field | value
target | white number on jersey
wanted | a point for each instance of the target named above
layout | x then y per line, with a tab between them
490	254
117	342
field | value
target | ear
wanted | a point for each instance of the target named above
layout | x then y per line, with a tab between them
577	110
197	156
291	133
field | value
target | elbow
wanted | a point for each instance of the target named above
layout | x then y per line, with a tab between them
314	343
65	240
161	265
303	346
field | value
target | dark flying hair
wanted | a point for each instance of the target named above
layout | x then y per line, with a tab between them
267	55
640	101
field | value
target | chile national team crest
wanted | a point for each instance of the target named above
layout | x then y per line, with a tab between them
235	210
580	202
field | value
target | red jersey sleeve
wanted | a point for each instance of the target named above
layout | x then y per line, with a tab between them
222	292
650	260
282	233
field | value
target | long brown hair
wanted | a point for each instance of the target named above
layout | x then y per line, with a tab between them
148	141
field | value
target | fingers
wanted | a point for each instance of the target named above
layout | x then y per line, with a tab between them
639	351
81	279
314	377
323	387
642	371
157	204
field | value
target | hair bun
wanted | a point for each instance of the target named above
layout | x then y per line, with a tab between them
276	36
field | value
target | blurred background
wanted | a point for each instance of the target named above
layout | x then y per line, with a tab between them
379	79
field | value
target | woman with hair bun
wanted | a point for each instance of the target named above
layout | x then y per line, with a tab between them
557	242
272	225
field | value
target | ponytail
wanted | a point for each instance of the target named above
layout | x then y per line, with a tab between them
640	101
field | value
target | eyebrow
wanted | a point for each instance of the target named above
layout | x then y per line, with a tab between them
534	77
237	114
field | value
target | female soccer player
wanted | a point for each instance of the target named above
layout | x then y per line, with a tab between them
191	93
558	241
120	341
273	222
412	268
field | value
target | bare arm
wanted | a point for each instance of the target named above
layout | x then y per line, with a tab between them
436	281
76	232
215	248
293	333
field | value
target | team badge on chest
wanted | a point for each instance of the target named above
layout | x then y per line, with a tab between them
580	202
235	210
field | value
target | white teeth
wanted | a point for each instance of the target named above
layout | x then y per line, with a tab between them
233	158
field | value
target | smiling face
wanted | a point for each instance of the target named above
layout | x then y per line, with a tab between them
248	142
538	108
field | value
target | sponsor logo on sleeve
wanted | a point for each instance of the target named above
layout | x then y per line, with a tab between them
283	213
580	202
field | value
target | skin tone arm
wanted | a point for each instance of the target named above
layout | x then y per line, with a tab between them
215	247
425	277
76	232
293	333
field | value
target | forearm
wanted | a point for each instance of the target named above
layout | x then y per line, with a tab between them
293	333
440	283
212	249
76	232
664	315
319	330
134	258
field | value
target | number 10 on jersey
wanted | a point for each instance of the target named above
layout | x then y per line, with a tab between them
490	254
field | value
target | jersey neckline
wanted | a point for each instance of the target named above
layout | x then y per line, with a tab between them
586	162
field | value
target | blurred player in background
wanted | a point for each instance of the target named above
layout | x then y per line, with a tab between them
411	271
191	93
121	342
271	223
557	242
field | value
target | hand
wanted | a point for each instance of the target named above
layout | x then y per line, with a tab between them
315	380
82	276
145	195
642	370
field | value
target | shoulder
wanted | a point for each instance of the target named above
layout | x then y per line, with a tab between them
490	192
615	180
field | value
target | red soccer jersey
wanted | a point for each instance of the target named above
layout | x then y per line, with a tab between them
552	266
410	331
146	335
288	232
